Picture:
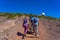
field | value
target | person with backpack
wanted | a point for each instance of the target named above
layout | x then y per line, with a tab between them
25	26
36	23
31	21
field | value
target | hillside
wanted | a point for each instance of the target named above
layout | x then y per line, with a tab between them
48	29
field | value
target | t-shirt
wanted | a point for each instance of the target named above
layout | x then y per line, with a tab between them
36	21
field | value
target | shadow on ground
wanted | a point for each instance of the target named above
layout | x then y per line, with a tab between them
31	37
19	34
29	32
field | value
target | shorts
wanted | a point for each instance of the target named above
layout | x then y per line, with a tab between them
36	28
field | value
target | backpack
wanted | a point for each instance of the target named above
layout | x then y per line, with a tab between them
35	20
25	21
31	19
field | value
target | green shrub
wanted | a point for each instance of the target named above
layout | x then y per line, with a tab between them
13	15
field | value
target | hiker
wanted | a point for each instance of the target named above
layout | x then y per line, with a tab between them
25	25
31	21
35	27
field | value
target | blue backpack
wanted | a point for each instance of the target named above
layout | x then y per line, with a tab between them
35	20
25	20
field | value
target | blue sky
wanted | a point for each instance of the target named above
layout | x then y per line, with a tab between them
50	7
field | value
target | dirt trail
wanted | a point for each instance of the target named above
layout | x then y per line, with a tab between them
18	28
16	32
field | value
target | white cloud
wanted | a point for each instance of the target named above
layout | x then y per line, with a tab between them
43	13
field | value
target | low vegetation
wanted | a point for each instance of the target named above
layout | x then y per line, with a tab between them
13	15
